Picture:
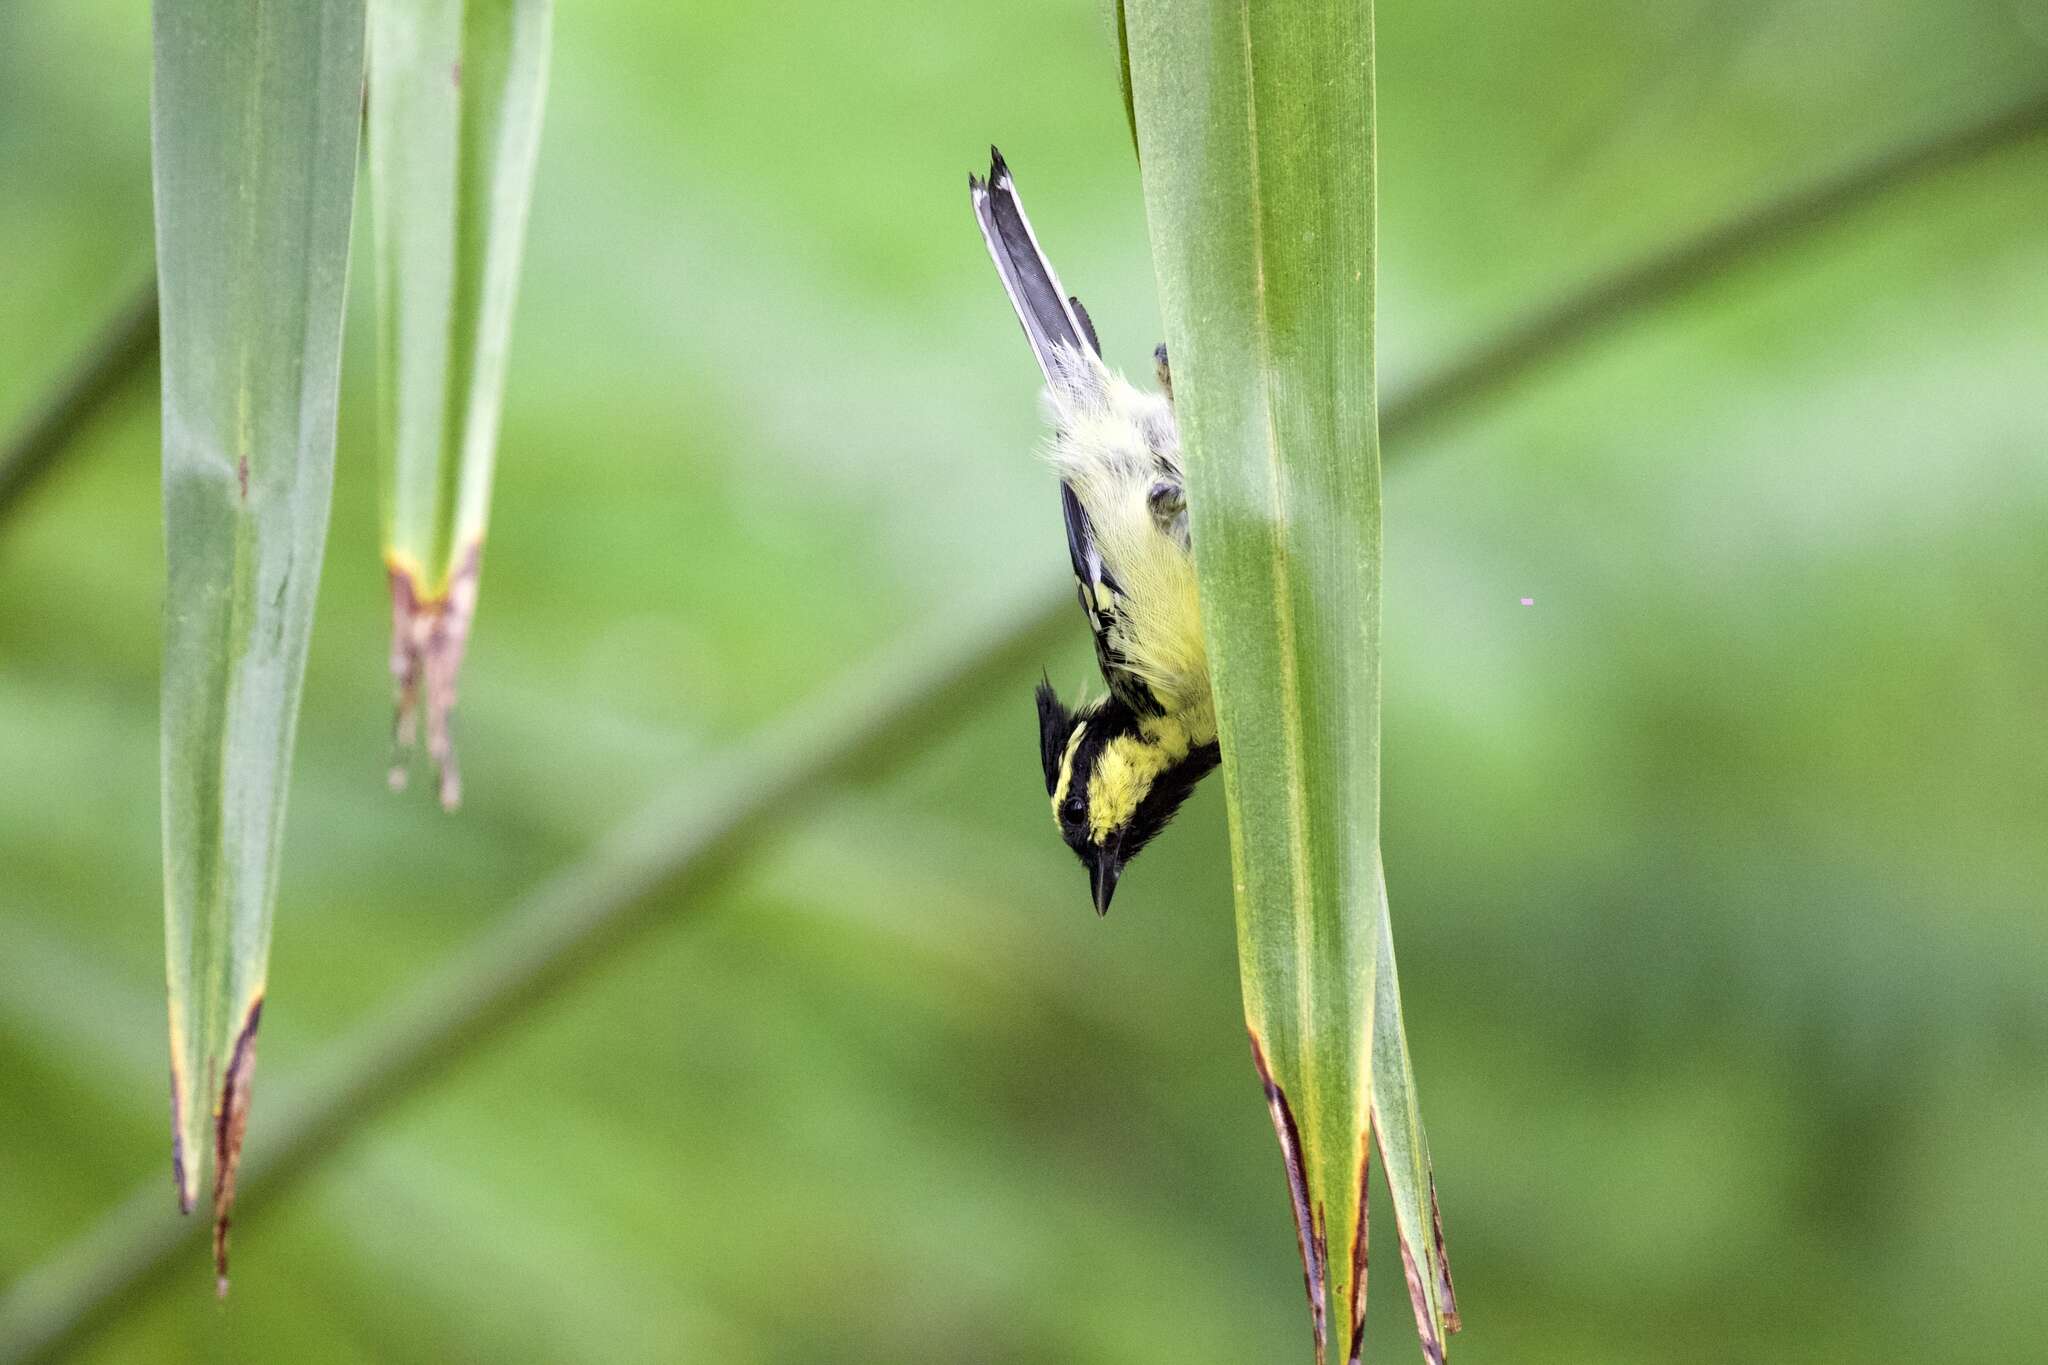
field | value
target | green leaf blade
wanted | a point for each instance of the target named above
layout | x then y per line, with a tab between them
1404	1156
456	94
255	114
1256	138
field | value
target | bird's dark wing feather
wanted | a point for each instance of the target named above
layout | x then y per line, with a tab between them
1102	602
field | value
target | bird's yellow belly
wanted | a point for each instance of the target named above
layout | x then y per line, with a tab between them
1159	628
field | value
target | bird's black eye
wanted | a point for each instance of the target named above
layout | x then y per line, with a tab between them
1073	810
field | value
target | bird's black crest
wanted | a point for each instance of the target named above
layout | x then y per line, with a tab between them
1055	723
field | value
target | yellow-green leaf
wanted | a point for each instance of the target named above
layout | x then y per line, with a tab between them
1255	132
455	98
255	112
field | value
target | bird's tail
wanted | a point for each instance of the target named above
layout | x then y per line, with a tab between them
1053	319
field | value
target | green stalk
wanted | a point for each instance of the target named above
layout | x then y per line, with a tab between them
1255	128
124	342
255	112
455	97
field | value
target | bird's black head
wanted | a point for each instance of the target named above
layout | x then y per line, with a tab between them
1114	784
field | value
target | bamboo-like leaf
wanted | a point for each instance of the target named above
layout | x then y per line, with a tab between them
1404	1154
255	113
1255	127
456	90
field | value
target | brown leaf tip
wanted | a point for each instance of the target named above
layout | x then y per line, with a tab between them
429	635
1425	1324
178	1140
1358	1241
1425	1320
230	1121
1447	1297
1308	1220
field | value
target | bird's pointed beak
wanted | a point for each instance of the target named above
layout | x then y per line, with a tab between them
1103	870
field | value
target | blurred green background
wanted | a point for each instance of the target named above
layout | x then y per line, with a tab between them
1717	871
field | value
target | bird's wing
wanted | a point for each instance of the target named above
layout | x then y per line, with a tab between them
1102	601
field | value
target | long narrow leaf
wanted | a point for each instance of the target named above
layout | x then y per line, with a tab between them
456	89
1404	1154
255	114
1255	128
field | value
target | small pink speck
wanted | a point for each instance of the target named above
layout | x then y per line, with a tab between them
1528	601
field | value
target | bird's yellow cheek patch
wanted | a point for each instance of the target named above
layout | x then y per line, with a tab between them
1124	773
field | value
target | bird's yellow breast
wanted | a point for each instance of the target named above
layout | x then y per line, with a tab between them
1129	764
1101	454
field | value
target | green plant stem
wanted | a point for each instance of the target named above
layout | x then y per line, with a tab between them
682	843
1677	270
123	344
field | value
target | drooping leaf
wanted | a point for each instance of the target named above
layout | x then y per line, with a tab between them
1255	131
255	113
455	98
1404	1154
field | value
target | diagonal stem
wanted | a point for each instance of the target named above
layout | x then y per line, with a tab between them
1677	270
124	343
662	862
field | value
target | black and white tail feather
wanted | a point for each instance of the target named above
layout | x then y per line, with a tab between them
1052	317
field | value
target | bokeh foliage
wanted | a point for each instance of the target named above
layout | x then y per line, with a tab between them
1715	871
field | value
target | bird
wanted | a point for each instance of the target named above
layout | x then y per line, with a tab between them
1118	766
